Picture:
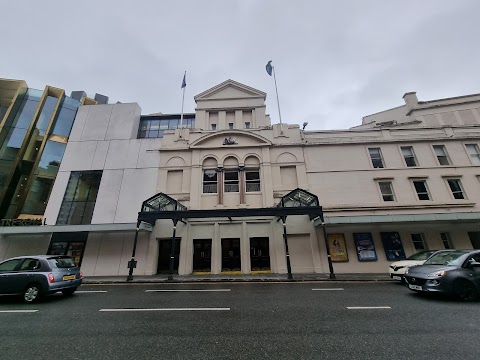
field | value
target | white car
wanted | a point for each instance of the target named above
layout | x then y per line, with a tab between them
397	269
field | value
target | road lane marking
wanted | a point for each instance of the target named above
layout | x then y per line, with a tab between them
18	311
367	307
90	291
167	309
186	290
331	289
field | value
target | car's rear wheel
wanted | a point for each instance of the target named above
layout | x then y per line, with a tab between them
465	290
68	292
32	293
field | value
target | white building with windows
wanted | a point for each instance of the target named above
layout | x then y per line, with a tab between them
404	180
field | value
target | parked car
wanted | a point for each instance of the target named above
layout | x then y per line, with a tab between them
397	268
35	276
451	272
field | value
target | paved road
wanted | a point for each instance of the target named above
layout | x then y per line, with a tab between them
241	321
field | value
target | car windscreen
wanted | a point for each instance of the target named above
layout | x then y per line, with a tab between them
61	262
445	258
422	255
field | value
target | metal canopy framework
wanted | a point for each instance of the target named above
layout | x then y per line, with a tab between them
296	202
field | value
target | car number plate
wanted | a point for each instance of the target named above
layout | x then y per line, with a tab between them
415	287
396	277
68	277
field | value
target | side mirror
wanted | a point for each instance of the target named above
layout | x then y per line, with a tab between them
473	263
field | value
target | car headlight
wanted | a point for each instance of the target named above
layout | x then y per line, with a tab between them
437	274
407	268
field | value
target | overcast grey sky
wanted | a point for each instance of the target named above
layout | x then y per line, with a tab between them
335	61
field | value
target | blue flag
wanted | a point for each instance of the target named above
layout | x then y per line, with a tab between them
269	68
184	82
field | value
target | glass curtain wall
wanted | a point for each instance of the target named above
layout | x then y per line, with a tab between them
47	169
12	138
80	197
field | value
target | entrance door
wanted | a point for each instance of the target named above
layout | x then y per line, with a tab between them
164	247
231	255
259	254
202	251
475	239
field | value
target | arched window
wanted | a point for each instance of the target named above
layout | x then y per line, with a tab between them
231	181
210	177
252	174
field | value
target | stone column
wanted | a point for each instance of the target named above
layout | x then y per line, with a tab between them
220	172
241	175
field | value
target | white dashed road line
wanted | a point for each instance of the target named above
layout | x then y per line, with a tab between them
367	307
186	290
166	309
90	291
332	289
18	311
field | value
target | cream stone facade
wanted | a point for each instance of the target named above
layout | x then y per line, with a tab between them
407	178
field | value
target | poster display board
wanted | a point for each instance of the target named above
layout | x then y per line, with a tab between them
365	246
393	246
338	249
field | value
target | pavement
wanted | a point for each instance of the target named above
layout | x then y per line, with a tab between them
324	277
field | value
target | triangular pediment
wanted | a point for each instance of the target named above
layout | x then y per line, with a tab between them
230	138
230	90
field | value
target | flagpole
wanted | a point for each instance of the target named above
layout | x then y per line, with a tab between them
278	102
183	98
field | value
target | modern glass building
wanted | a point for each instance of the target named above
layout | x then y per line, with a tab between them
34	130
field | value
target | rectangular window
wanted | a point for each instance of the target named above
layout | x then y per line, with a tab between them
387	190
80	197
409	156
441	153
474	153
210	181
252	180
230	125
421	189
447	242
376	157
456	188
247	125
214	126
231	181
418	242
154	127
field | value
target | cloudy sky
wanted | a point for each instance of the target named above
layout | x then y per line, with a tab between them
336	61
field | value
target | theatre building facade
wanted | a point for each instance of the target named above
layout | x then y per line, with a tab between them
406	179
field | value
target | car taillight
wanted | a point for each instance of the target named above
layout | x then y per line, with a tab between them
50	278
81	275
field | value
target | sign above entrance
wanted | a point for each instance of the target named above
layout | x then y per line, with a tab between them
21	222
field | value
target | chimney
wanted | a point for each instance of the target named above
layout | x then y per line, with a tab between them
411	100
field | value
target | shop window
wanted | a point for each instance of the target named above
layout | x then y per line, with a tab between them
376	157
418	242
69	244
446	240
80	197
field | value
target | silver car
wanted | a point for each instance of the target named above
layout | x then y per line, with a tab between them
35	276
